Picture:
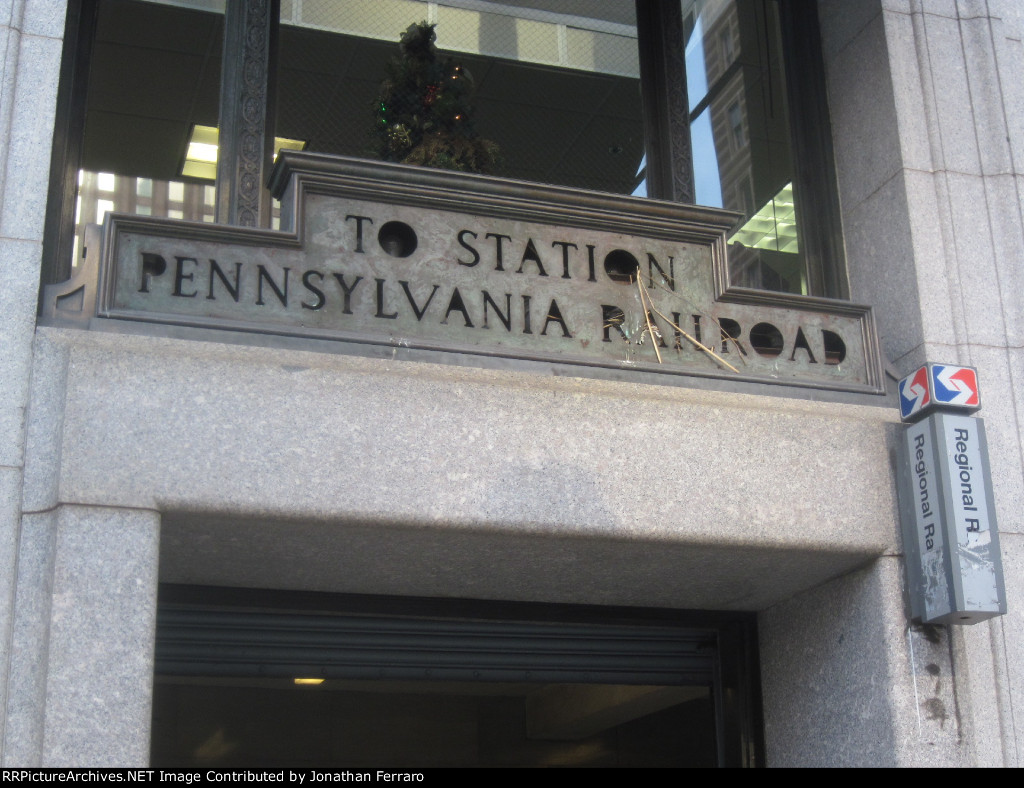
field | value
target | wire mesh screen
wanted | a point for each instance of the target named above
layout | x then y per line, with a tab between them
553	85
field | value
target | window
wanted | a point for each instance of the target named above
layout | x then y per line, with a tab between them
586	94
556	86
739	138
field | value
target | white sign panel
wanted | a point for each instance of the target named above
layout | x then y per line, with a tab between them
950	532
925	543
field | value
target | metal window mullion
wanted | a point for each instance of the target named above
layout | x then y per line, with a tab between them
665	103
246	135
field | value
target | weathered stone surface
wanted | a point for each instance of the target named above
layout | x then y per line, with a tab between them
99	673
822	656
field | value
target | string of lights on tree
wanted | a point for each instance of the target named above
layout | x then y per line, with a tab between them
424	115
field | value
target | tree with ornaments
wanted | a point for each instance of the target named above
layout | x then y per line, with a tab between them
423	115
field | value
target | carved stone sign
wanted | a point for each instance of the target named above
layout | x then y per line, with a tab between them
392	255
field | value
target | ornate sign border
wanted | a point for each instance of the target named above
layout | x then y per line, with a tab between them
297	176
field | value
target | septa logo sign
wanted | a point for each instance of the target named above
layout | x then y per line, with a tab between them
955	386
914	393
939	386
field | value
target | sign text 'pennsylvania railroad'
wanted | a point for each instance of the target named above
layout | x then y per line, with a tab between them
396	256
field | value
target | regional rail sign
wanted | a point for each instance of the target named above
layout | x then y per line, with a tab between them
950	534
374	255
938	387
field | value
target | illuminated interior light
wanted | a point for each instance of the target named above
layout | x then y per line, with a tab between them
201	156
201	152
312	682
773	227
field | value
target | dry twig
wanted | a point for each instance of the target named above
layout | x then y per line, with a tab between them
725	334
647	315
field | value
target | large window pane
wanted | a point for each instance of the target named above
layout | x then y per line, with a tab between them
153	75
741	143
557	85
556	89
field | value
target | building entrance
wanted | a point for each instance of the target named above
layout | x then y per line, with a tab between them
366	724
271	679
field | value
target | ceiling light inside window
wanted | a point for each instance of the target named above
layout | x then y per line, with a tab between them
773	227
201	157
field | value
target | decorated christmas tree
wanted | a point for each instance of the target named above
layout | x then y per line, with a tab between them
424	115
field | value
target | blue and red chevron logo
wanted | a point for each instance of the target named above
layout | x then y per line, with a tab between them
955	386
939	386
914	393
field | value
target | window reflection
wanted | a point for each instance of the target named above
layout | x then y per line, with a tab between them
740	136
557	89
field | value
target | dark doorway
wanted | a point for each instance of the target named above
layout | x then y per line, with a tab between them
366	724
271	679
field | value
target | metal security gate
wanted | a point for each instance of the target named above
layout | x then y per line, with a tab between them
210	634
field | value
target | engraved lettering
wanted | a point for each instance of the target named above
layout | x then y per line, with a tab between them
498	259
801	344
380	302
530	253
472	250
506	317
347	290
591	264
359	229
152	265
456	304
412	301
565	246
180	276
320	298
555	316
281	292
613	317
669	278
216	271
